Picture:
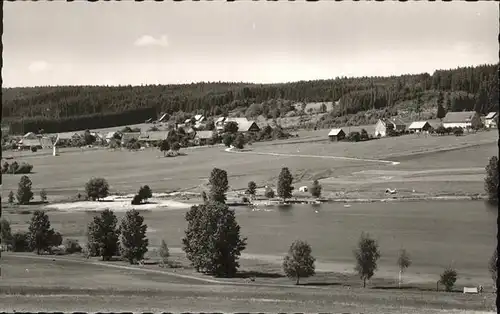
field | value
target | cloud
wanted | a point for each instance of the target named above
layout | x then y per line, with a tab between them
38	66
147	40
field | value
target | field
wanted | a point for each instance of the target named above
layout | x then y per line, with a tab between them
437	234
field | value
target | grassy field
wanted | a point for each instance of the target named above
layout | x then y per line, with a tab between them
48	285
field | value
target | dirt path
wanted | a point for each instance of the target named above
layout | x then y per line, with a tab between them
229	150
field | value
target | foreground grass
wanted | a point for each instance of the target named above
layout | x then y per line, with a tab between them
109	287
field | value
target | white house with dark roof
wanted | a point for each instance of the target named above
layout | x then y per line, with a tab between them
384	125
490	121
244	125
458	119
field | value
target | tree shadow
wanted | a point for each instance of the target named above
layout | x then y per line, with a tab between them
257	274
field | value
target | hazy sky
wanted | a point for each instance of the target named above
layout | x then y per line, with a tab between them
58	43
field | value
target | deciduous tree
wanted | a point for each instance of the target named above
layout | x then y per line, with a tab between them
299	263
103	235
40	235
448	278
218	185
164	146
492	267
315	189
231	127
252	188
97	188
212	239
367	255
404	262
24	193
5	231
164	253
133	237
145	192
43	195
491	180
11	197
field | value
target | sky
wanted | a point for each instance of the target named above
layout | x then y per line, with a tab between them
121	43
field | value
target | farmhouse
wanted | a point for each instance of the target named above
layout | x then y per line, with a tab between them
458	119
490	121
384	125
204	137
111	135
66	139
153	137
30	135
336	135
420	126
244	125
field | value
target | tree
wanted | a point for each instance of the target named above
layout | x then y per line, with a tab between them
164	253
176	146
231	127
97	188
228	139
285	187
145	193
364	135
204	196
492	267
24	193
448	278
88	138
103	235
164	146
134	241
491	180
323	108
299	263
5	231
239	141
43	195
449	105
269	192
40	235
218	185
476	122
212	239
11	197
404	262
366	256
315	189
20	242
441	112
252	188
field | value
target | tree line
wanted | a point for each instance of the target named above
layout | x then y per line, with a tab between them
61	108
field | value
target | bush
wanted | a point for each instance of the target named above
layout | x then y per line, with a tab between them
354	137
24	193
145	192
448	278
269	193
34	149
137	200
20	242
72	246
458	131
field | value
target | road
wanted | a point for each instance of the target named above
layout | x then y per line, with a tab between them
167	291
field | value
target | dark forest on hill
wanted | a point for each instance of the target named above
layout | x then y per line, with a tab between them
68	108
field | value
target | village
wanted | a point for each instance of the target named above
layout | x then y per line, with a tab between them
199	131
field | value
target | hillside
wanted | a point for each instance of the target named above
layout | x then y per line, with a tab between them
355	100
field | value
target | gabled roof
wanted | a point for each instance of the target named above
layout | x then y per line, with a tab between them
220	119
491	115
30	135
162	117
245	126
130	135
204	134
464	116
187	120
335	132
418	125
30	142
199	117
394	121
155	135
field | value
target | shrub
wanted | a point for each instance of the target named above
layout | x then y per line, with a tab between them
34	149
354	137
448	278
245	199
43	195
458	131
5	167
252	187
20	242
137	200
145	192
315	189
11	197
5	231
72	246
239	141
269	193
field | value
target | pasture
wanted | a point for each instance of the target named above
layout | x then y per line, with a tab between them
65	175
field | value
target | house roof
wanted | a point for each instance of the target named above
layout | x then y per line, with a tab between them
199	117
130	135
187	120
220	119
155	135
30	142
418	124
237	120
491	115
464	116
245	126
29	135
394	121
335	132
204	134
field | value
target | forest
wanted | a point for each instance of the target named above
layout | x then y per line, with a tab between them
68	108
